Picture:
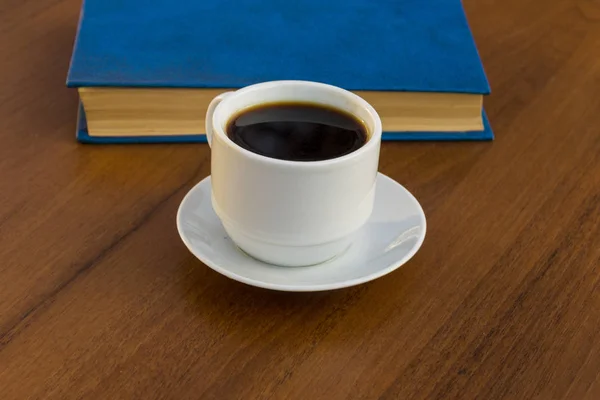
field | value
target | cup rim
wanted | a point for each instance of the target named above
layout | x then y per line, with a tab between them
373	138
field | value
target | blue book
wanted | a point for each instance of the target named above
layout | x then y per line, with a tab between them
146	69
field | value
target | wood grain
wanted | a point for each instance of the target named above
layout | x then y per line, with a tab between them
99	299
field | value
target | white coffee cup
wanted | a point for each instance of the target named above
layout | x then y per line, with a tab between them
291	213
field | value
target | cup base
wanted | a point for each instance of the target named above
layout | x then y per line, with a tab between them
289	256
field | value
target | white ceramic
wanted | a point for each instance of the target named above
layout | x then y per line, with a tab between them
392	235
288	212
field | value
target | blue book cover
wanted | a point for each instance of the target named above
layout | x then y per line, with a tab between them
387	45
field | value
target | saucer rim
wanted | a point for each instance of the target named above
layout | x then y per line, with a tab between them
312	287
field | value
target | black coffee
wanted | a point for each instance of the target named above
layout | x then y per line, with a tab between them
297	131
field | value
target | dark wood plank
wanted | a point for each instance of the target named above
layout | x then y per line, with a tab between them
100	299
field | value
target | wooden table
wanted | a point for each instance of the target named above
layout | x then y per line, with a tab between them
99	299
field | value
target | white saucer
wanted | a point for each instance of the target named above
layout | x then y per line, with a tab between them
389	239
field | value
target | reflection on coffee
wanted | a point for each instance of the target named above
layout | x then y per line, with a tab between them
297	131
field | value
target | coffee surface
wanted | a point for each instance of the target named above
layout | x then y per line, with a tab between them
297	131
